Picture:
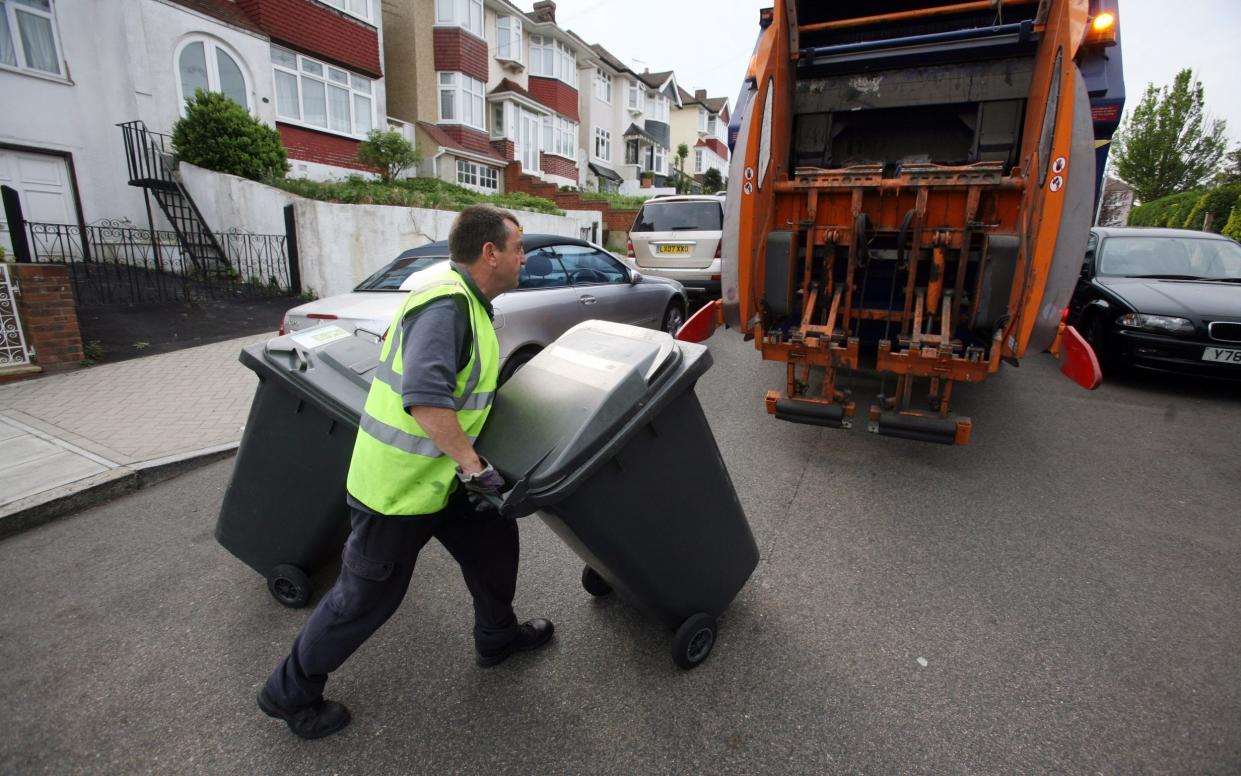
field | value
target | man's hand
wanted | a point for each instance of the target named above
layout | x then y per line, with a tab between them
482	486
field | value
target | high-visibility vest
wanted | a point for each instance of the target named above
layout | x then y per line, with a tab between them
396	468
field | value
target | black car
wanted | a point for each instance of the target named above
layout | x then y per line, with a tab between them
1164	299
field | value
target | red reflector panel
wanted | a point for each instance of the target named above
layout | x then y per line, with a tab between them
1078	361
1105	113
322	316
701	324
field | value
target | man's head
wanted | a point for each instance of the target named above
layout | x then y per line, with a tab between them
487	242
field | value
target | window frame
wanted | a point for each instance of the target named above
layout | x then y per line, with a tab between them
461	16
636	90
563	59
370	7
559	137
10	11
605	137
211	48
478	173
460	91
603	86
513	37
299	72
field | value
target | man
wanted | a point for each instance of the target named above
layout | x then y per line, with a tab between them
427	404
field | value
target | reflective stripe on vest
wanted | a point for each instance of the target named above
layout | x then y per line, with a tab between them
396	468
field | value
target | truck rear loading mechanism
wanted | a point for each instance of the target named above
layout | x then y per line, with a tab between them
910	195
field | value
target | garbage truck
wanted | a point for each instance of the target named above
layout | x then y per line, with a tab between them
910	195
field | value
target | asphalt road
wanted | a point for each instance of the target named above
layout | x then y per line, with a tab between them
1061	596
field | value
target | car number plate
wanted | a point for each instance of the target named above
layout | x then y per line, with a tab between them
1226	355
673	249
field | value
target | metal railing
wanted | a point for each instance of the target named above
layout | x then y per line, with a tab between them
113	262
145	152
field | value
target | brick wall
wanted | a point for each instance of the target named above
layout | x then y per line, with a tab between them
615	220
504	148
49	320
318	31
470	139
461	52
311	146
555	94
557	165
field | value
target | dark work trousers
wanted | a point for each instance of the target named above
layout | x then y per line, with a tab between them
378	562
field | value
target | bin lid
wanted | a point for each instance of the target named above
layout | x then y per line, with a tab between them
572	399
326	364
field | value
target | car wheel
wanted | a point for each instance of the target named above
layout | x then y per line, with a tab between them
515	362
674	317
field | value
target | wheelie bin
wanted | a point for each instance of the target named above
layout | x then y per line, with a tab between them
602	434
284	512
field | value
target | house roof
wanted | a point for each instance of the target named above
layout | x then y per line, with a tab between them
224	10
604	172
636	131
444	140
655	80
507	85
716	104
610	59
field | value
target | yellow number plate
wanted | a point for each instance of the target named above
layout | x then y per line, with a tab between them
674	249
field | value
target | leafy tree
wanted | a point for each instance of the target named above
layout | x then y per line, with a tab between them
1231	171
388	151
712	181
1233	227
1168	144
218	134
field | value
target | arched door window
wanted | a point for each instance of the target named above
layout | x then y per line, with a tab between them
203	63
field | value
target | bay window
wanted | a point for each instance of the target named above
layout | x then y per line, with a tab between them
558	137
550	58
321	95
466	14
659	108
28	39
461	100
508	38
698	161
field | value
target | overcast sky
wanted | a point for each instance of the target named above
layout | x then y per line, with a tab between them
708	43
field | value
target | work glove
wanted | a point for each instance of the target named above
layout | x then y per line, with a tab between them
482	488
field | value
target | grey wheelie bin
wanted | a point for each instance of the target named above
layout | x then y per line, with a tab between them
284	512
602	434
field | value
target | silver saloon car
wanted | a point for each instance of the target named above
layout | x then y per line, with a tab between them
564	282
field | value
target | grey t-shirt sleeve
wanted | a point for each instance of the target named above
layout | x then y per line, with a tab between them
434	343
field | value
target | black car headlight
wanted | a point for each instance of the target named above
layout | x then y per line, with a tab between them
1165	324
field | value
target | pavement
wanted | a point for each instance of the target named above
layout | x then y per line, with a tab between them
68	440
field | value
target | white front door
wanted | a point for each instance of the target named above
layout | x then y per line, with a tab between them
527	143
42	182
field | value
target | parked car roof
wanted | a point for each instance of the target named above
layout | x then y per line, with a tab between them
1155	231
529	241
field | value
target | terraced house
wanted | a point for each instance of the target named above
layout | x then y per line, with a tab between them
486	84
311	68
701	123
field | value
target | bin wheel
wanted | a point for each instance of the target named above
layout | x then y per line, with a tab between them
594	584
289	585
693	641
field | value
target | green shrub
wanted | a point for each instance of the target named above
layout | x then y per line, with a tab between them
412	192
389	152
218	134
614	199
1162	211
1233	227
1218	202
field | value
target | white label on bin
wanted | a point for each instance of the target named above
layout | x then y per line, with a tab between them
319	336
585	359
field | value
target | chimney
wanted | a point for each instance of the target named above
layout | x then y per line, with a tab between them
700	94
545	11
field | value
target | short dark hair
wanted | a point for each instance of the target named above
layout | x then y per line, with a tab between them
476	226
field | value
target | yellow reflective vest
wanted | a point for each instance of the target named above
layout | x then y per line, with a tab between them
396	468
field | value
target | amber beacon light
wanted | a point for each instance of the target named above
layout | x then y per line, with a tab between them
1102	29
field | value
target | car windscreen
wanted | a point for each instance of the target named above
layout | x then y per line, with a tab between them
392	276
680	217
1186	257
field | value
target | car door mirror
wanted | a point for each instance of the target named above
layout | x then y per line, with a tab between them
635	277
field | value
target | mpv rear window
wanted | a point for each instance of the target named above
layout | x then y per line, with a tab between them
680	217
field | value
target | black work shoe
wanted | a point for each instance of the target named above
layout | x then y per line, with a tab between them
319	719
532	634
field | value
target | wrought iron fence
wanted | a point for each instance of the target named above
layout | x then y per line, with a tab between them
113	262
